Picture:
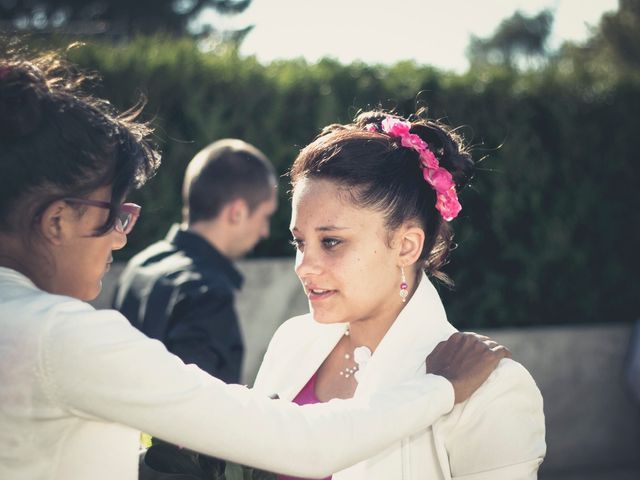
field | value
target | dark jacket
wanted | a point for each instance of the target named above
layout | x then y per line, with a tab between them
180	290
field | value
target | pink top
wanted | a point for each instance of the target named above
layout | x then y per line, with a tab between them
306	396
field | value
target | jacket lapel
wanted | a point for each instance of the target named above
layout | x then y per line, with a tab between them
401	354
306	357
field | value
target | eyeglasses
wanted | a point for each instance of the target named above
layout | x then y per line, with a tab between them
126	214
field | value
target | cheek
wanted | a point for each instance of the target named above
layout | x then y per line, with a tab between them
97	252
373	275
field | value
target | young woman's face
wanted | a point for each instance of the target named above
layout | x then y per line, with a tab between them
82	260
344	260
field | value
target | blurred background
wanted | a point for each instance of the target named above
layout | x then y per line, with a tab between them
547	92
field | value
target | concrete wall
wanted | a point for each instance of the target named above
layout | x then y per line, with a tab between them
593	428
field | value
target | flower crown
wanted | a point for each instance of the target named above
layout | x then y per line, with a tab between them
439	178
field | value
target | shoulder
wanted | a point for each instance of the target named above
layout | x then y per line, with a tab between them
162	266
509	392
294	329
509	378
500	429
73	319
151	254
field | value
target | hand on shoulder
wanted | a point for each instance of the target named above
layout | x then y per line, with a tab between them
466	359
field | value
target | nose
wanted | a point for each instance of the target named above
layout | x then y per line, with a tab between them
119	239
307	265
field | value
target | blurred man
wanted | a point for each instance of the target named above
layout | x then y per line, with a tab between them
180	290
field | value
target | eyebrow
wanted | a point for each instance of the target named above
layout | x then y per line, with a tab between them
325	228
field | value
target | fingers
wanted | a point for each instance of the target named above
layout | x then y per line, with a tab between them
471	335
491	344
502	350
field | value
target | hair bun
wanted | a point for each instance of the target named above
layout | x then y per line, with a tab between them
461	166
449	147
20	105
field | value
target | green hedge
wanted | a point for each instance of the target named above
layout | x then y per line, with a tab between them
549	229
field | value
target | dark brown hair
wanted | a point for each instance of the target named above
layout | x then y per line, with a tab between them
383	175
226	170
58	142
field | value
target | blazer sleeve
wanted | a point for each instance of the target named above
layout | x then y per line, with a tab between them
500	432
96	365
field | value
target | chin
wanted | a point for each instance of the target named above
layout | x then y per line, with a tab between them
92	294
325	317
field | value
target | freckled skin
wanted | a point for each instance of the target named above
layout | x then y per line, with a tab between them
344	249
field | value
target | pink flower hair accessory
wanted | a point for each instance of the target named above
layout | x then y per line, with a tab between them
439	178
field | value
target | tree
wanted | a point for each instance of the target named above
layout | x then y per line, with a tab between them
517	37
113	18
620	32
612	51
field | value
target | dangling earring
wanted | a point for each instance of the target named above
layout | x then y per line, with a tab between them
404	292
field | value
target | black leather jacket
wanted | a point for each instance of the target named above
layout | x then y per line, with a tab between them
180	290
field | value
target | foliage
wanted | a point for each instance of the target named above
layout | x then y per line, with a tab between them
548	231
115	18
517	37
613	51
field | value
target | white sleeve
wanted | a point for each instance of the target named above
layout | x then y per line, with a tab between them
98	366
500	433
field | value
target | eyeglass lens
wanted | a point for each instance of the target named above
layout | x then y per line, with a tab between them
123	221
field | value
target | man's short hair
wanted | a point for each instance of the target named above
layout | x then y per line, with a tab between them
223	172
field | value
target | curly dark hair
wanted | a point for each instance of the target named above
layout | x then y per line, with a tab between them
383	175
58	141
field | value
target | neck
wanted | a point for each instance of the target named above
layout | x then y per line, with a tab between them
214	234
35	264
370	332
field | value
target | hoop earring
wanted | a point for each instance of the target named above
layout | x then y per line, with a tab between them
404	288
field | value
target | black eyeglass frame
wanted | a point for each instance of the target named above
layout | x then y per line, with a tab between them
127	214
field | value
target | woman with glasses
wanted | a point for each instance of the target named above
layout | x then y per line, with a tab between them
78	385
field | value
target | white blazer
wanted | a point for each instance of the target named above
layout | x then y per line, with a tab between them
497	434
77	385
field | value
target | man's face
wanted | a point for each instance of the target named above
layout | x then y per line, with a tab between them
255	226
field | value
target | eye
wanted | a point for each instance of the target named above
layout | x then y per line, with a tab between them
297	243
330	242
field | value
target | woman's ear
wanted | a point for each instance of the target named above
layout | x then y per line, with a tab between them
54	222
411	241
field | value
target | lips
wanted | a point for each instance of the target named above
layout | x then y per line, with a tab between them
316	294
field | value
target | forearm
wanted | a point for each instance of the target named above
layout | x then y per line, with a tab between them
104	368
235	423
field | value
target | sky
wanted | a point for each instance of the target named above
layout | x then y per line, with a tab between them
430	32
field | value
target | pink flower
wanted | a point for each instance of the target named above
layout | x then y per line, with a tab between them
448	204
428	159
395	127
440	179
411	140
371	127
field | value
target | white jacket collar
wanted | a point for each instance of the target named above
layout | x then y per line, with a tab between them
399	356
401	352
